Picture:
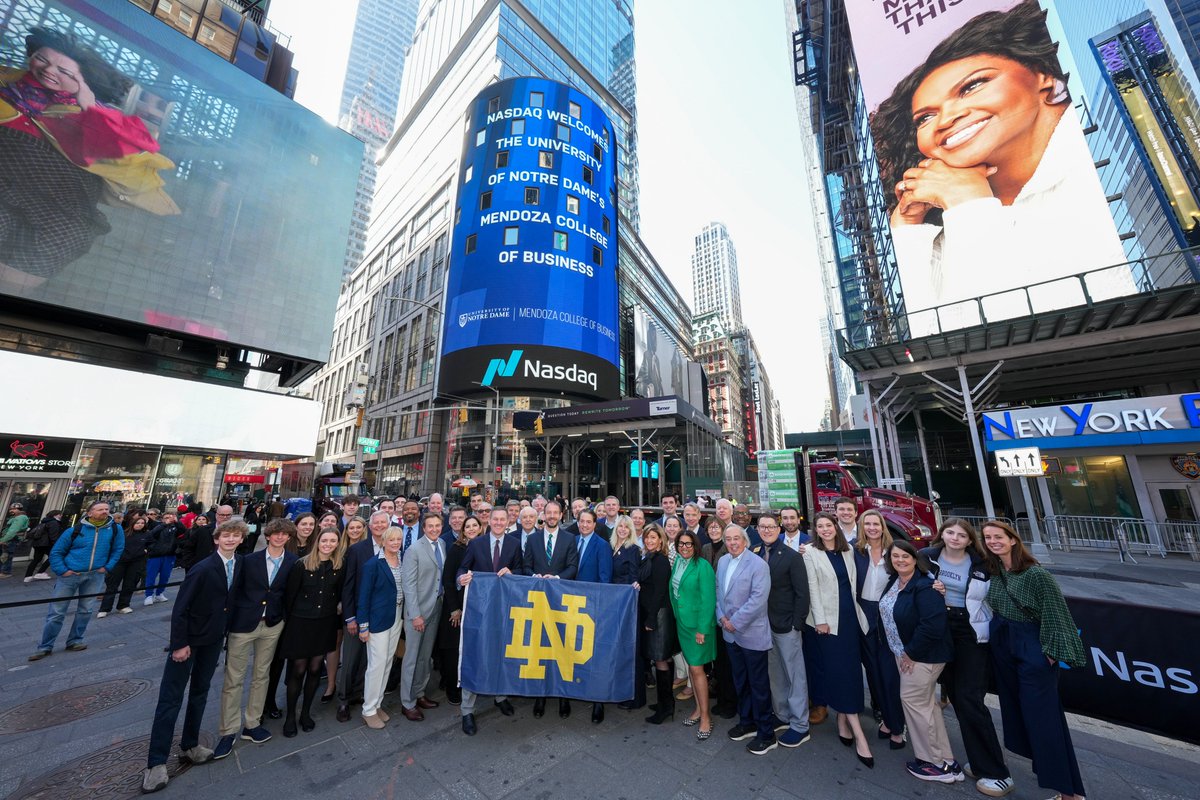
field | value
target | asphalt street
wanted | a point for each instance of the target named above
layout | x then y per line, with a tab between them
76	725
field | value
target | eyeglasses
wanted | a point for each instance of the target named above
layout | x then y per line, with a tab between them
682	545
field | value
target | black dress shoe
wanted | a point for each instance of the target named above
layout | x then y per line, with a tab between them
307	723
343	713
539	707
468	724
289	728
273	712
564	708
505	707
597	713
630	705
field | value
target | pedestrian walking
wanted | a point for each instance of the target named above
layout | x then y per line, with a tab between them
13	534
41	540
131	568
80	558
161	547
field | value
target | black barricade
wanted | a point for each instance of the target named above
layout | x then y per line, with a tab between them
1143	667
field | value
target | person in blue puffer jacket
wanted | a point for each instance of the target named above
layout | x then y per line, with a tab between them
82	556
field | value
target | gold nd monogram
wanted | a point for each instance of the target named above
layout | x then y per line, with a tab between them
538	622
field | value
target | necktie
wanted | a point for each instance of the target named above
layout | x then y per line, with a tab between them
407	536
229	573
274	570
495	555
583	543
437	555
549	547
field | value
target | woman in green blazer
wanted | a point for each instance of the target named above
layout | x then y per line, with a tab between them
694	600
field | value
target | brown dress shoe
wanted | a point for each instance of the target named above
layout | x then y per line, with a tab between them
413	714
425	702
343	713
817	715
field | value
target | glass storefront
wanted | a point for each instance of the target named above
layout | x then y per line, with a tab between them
1093	486
184	478
127	476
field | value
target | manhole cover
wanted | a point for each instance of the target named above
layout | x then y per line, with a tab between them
112	773
70	705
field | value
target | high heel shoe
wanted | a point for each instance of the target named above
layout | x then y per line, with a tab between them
289	727
880	733
702	735
306	723
690	721
866	761
846	740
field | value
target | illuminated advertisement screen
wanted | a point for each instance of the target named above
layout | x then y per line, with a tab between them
988	180
531	298
660	367
145	178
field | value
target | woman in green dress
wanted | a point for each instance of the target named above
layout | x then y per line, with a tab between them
694	600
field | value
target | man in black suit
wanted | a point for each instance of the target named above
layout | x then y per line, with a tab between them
256	624
499	553
787	608
670	507
199	621
551	553
352	675
577	505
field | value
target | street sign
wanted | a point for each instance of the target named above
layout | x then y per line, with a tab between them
370	451
363	440
1019	462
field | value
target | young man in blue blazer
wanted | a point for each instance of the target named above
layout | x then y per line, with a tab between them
199	621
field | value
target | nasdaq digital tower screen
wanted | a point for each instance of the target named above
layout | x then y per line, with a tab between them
531	301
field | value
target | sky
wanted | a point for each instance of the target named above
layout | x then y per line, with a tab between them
718	140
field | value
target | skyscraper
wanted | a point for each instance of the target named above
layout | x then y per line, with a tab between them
715	276
383	31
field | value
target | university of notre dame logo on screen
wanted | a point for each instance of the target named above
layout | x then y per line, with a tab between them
542	634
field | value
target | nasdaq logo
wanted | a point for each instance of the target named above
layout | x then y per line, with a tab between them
502	368
542	634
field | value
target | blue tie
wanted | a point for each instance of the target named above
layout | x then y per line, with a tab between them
228	574
583	543
549	546
437	554
274	569
407	536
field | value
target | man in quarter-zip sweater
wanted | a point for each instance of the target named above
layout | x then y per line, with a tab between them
81	557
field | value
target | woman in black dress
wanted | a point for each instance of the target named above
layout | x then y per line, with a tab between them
831	638
306	526
451	616
314	591
656	621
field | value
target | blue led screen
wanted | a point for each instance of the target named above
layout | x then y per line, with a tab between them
531	301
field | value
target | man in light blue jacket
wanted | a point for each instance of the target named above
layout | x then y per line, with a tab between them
82	556
743	587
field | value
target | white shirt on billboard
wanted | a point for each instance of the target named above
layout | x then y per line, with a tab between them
1058	225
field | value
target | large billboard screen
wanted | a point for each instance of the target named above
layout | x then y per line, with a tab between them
145	178
531	293
986	172
660	368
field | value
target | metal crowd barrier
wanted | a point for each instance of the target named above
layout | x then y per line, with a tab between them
1161	538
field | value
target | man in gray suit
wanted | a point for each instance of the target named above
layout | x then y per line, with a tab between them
743	586
422	581
551	553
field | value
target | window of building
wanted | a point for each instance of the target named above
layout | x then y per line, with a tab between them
572	204
457	215
480	136
186	18
510	235
574	110
560	240
597	255
563	132
545	159
536	99
597	152
604	224
587	175
470	245
485	201
518	127
532	195
502	159
493	105
467	173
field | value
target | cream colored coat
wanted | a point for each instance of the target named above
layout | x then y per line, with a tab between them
823	589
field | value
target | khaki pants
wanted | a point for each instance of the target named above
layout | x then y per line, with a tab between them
923	714
261	641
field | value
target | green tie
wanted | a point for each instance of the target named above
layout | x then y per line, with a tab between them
229	573
549	546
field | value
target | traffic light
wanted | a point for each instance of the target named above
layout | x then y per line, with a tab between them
462	415
537	427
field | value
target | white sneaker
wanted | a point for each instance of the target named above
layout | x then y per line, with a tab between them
149	601
995	787
125	610
102	615
162	598
29	579
41	576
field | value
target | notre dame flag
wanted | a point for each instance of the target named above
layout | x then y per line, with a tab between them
540	637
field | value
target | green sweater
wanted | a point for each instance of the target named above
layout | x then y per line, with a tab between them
1036	590
16	525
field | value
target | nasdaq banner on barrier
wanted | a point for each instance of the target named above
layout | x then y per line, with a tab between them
541	637
531	293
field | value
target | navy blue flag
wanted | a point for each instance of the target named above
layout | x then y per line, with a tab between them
542	637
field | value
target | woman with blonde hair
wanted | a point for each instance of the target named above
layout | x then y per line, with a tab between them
626	553
380	621
883	679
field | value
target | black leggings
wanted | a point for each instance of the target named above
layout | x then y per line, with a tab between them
273	681
303	673
35	559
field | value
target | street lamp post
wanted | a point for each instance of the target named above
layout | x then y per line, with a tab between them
494	460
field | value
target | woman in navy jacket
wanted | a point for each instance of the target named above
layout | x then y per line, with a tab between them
912	615
380	621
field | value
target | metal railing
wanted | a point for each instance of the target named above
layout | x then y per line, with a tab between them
1067	532
1161	538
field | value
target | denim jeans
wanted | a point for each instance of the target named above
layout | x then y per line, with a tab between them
65	588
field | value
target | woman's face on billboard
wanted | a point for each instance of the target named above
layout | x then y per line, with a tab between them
981	110
55	71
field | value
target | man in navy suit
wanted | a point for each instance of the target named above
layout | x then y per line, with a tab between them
595	558
199	621
499	553
351	676
526	527
551	553
670	507
256	624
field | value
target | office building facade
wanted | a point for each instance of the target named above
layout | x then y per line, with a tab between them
715	282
